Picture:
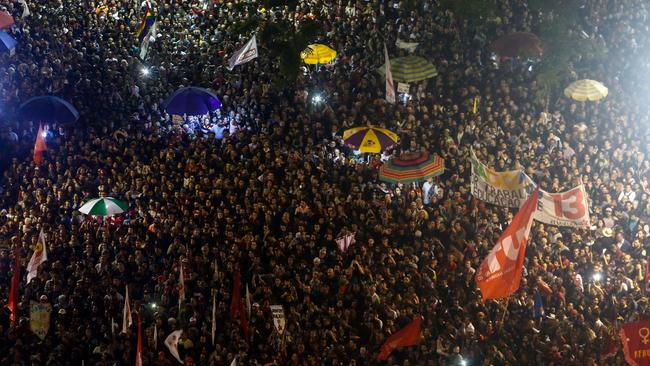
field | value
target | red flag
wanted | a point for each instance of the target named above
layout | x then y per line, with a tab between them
243	319
499	274
12	304
407	336
138	355
235	301
636	338
39	146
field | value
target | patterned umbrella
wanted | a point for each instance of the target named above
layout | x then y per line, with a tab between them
317	54
105	206
412	167
370	139
192	101
516	44
586	89
409	69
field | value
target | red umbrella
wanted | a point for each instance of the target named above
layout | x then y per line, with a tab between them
516	44
6	20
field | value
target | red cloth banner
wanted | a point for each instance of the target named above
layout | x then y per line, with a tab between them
636	343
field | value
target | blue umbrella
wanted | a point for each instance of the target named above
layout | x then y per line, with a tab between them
48	109
191	101
7	42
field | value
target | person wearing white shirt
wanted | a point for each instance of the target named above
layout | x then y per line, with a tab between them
627	195
429	189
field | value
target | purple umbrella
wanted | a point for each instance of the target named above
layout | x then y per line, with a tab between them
48	109
191	101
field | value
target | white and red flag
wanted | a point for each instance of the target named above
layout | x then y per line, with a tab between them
499	274
38	257
127	320
244	54
172	344
390	86
345	241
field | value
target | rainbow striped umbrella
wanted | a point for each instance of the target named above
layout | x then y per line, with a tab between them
370	139
412	167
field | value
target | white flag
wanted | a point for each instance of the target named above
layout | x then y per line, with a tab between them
234	361
150	37
25	8
38	257
244	54
278	318
214	315
172	343
126	313
155	336
390	87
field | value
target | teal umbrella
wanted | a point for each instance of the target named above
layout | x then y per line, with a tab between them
105	206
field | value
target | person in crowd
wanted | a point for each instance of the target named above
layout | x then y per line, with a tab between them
264	187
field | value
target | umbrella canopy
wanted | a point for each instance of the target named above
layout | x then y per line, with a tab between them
516	44
370	139
191	101
317	54
409	69
412	167
105	206
586	89
6	20
7	42
48	108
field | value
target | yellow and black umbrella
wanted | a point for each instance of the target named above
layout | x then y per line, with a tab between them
317	54
370	139
409	69
586	89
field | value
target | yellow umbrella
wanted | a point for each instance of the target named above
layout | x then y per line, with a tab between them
317	54
586	89
370	139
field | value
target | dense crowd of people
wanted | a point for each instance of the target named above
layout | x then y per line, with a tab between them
268	195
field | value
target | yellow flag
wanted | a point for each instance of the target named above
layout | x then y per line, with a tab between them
39	318
475	104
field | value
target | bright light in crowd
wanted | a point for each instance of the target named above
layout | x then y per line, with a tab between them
144	71
463	363
597	276
317	99
154	305
44	134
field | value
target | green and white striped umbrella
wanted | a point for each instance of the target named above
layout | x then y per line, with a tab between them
409	69
105	206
